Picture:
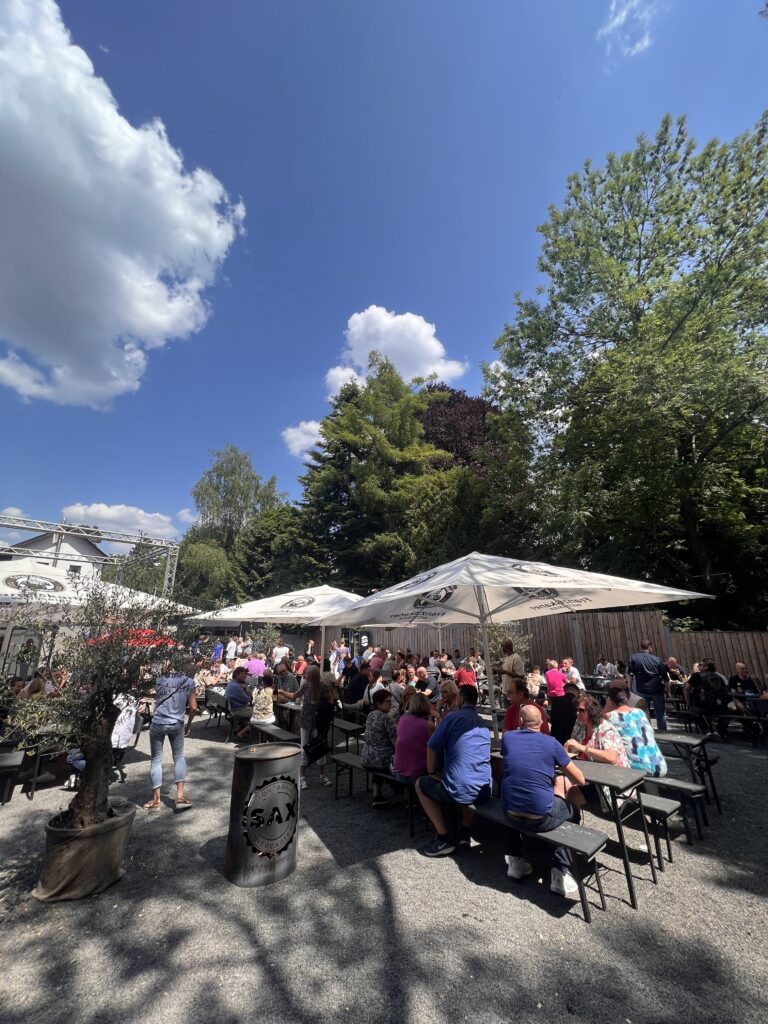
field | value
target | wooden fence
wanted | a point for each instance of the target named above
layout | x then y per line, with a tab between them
586	635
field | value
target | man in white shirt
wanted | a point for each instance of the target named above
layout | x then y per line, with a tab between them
604	668
512	667
279	651
574	676
231	648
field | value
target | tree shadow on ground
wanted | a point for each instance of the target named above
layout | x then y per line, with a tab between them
364	931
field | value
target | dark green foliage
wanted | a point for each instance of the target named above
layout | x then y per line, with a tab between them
642	369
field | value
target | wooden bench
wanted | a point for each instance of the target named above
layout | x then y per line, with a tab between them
274	732
659	809
345	763
347	729
350	763
690	794
584	843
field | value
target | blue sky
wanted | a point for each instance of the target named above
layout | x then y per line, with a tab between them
392	155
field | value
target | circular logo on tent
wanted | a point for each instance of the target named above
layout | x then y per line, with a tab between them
540	594
534	570
416	580
298	602
30	581
270	816
434	597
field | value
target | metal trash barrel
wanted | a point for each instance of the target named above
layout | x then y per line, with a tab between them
263	814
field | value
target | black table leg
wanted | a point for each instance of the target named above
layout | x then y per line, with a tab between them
624	851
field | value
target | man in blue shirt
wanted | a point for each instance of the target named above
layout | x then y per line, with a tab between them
238	699
650	681
459	766
529	798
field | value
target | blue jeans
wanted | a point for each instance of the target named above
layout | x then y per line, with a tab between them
76	761
561	811
175	733
657	704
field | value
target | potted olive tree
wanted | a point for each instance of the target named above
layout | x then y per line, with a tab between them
107	644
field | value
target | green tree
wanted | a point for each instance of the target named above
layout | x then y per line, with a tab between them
273	555
370	469
203	576
143	568
641	368
230	493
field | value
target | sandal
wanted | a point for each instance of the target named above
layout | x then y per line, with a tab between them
151	805
183	805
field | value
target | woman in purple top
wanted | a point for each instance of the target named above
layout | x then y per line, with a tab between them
413	732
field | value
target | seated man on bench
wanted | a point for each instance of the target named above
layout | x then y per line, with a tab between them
533	800
462	743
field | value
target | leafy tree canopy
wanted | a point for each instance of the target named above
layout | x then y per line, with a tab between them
640	368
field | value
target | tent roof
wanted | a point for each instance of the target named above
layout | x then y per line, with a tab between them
313	603
502	590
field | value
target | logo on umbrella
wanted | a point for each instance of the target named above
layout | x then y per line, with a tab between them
32	582
416	580
535	570
434	597
298	602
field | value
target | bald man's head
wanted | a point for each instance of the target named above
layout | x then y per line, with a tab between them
530	718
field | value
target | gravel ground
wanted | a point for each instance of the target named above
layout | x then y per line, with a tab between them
368	931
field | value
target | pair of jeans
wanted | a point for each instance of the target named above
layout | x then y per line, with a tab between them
561	811
76	761
657	704
175	733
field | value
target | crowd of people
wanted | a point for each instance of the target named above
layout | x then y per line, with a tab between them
422	725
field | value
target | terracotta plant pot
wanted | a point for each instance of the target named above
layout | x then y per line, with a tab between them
81	862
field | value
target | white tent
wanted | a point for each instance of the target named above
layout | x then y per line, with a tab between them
317	605
297	606
487	589
29	582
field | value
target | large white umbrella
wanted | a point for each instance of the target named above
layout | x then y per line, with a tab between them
26	581
321	605
487	589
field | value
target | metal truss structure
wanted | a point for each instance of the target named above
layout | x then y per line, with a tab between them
153	547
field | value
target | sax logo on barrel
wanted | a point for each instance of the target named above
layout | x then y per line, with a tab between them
270	816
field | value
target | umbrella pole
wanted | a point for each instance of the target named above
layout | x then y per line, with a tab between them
322	647
481	603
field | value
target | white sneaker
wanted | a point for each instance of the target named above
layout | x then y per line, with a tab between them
303	783
325	781
517	867
564	884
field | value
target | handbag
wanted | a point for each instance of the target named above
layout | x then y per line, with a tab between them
316	749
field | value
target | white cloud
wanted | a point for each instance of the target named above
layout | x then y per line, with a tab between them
301	437
338	376
8	537
186	515
404	338
627	27
108	243
122	518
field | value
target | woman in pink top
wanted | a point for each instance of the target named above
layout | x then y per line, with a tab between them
556	680
413	732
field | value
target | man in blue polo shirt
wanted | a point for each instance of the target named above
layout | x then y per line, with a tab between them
530	798
459	765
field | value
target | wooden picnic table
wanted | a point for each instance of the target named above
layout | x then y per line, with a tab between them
692	748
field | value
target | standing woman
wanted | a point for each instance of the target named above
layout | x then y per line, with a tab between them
315	718
561	710
174	694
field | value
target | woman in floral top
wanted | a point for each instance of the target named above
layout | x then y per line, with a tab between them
594	738
636	733
379	740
